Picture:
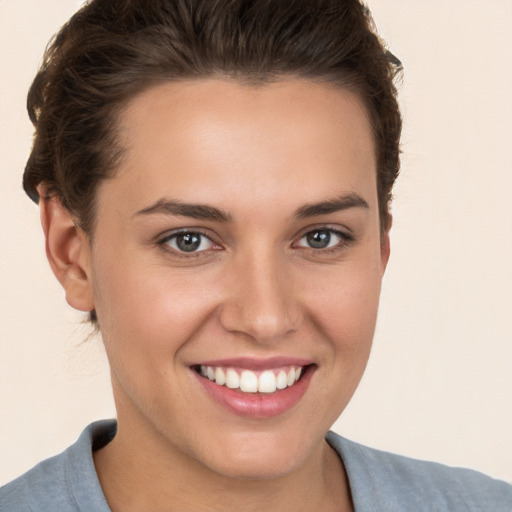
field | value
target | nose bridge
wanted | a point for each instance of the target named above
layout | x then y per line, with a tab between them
261	301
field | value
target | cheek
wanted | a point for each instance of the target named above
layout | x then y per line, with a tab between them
346	311
149	306
345	305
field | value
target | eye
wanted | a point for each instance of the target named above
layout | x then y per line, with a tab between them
188	242
323	238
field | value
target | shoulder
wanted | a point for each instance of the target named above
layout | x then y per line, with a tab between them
383	481
66	482
43	485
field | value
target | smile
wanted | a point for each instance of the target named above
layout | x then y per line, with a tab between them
248	381
255	388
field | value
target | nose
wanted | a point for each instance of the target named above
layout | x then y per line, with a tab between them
261	302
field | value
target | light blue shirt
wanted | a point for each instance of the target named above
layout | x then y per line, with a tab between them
379	481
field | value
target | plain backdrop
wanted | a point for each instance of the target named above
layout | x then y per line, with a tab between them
439	382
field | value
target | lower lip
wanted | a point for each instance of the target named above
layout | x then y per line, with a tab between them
258	405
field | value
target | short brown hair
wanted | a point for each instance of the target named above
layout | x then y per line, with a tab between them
112	49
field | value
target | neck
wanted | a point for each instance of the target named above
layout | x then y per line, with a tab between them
141	472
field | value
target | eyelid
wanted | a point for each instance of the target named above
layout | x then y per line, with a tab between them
334	228
162	241
345	234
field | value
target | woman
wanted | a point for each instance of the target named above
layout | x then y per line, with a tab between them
214	182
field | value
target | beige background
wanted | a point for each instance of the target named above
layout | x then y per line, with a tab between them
439	383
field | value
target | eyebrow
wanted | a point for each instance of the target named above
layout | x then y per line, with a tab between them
331	206
206	212
194	211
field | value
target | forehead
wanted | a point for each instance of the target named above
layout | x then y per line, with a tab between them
188	139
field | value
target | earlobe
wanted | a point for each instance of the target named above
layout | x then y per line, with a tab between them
67	250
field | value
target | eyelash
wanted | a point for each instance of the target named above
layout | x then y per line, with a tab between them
164	243
345	239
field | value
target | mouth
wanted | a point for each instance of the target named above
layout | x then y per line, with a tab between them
266	381
255	389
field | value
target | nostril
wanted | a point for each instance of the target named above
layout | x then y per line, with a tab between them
258	322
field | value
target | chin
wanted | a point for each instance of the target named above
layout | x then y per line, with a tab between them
254	468
258	456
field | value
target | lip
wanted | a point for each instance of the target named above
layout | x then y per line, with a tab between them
257	405
256	364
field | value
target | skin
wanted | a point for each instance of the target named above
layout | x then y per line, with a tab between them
258	289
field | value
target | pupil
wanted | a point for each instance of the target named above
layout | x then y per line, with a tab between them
319	239
188	242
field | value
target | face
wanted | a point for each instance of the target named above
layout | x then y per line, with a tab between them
236	269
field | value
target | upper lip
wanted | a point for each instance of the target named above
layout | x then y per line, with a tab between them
255	364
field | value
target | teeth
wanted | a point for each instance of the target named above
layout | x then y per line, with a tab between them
282	380
249	382
232	379
268	381
220	377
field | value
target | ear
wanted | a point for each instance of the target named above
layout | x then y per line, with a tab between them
68	251
385	245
